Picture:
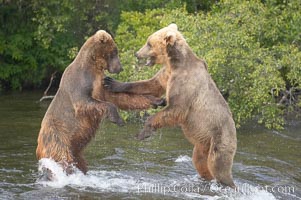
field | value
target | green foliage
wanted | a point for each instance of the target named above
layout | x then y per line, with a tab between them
63	26
252	49
17	60
40	37
142	5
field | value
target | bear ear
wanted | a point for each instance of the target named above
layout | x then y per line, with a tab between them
173	26
170	38
102	36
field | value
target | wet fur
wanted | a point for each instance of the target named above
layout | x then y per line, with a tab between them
193	102
81	103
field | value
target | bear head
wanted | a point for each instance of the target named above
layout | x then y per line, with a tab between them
156	48
102	51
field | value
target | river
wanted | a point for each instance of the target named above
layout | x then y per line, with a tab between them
267	163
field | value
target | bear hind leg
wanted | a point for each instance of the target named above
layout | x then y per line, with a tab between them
81	164
199	159
220	164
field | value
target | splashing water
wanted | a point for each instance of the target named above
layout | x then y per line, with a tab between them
103	180
184	158
187	187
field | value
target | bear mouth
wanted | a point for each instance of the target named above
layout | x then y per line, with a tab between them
150	61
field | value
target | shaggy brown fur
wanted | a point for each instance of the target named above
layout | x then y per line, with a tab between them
81	103
193	102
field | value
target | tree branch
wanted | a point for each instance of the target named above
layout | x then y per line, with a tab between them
45	96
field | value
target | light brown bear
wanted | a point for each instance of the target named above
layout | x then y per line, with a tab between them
193	102
81	103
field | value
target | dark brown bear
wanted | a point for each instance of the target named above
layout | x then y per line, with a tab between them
81	103
193	102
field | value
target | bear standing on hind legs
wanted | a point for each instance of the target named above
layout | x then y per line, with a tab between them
193	102
81	103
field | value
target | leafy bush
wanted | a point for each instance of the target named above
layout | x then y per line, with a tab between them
38	38
17	61
252	47
250	55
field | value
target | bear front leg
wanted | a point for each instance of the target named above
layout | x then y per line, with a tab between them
146	87
115	86
100	109
110	111
113	115
146	132
156	102
127	101
166	117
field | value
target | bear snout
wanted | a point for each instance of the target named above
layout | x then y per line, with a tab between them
114	66
115	70
144	52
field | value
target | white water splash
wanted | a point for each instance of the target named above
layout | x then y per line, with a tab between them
143	183
260	195
184	158
111	181
248	192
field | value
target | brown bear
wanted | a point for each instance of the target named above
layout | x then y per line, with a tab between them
81	103
193	102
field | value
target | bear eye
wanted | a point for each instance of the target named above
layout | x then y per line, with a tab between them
149	45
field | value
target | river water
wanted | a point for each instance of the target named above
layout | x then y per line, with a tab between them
267	164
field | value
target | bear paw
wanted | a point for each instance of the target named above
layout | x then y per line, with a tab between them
161	102
114	116
145	133
111	84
